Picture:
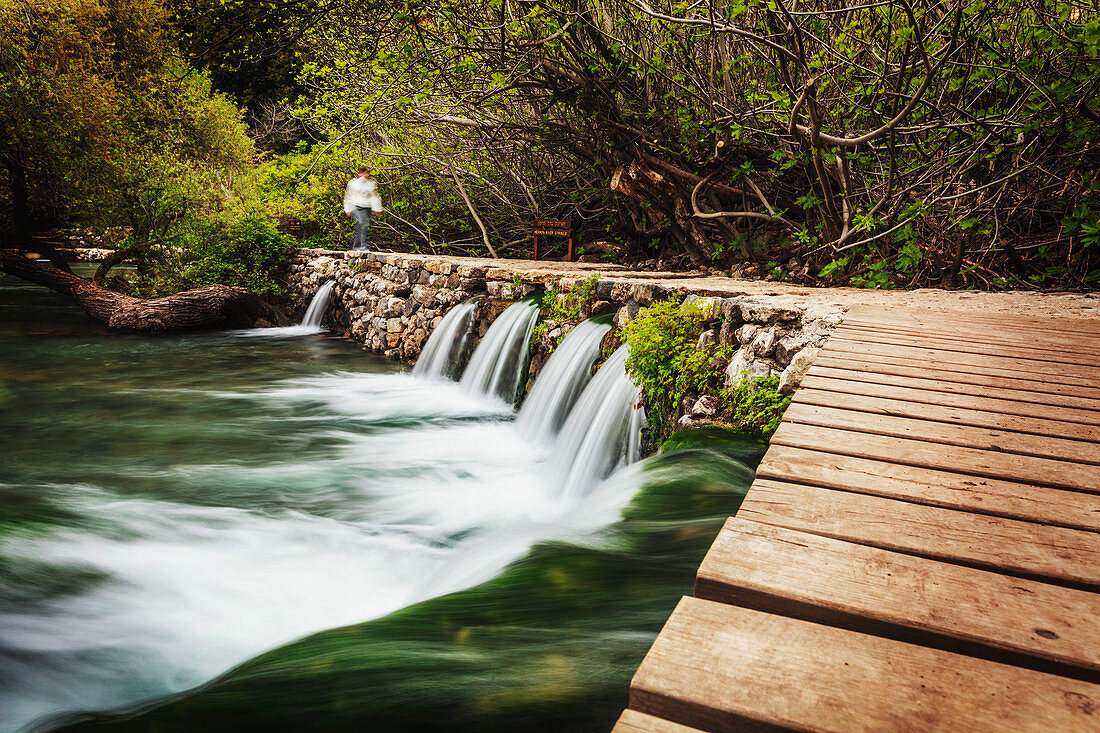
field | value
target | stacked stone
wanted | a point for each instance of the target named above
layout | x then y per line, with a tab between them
391	303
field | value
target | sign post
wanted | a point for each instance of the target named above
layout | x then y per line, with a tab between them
556	228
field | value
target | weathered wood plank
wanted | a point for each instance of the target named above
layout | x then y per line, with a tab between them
1041	381
1055	554
818	578
1063	325
1030	340
976	415
977	346
722	668
631	721
960	394
974	461
949	489
1043	371
1001	441
872	365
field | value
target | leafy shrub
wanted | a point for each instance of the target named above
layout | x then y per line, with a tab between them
756	403
564	305
665	362
244	249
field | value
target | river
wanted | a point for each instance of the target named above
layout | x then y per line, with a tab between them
237	531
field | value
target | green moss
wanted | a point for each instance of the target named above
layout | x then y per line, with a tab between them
745	446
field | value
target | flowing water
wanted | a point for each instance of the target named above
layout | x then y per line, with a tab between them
172	507
318	306
497	366
442	355
561	382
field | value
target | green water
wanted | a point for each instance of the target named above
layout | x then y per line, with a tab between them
229	532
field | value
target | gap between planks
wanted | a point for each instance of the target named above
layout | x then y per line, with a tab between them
782	570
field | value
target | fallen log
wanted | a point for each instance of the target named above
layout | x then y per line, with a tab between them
212	307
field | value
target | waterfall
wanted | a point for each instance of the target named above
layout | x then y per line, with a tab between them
317	307
497	365
441	356
560	383
598	435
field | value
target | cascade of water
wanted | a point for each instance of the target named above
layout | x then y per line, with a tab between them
499	360
317	307
560	383
440	356
598	434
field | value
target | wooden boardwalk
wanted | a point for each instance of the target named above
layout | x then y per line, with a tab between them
920	549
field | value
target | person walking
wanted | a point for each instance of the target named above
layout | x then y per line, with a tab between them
361	201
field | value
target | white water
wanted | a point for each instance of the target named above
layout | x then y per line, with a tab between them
318	306
311	322
398	490
446	343
560	383
599	434
500	359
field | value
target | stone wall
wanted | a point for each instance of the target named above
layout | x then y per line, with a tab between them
390	303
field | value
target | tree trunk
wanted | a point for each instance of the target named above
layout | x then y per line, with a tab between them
212	307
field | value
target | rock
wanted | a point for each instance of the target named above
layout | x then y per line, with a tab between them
745	334
601	307
764	343
706	339
792	376
766	313
499	289
788	347
706	406
740	366
392	307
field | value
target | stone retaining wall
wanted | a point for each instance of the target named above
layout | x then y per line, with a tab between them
390	303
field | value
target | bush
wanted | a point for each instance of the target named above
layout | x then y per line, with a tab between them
243	249
755	403
665	362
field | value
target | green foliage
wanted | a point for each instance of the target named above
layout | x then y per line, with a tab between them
242	249
569	304
665	362
95	105
756	403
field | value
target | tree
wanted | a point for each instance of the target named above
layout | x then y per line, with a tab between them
884	143
100	120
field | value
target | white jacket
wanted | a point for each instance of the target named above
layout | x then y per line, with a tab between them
362	193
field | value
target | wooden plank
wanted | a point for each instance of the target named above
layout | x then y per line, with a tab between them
976	346
871	590
916	389
631	721
959	333
975	416
997	365
974	461
1002	441
722	668
1042	381
1014	329
1053	554
948	489
1068	325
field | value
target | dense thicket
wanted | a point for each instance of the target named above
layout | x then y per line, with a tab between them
103	122
884	143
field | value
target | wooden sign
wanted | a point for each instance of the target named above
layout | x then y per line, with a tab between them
555	228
